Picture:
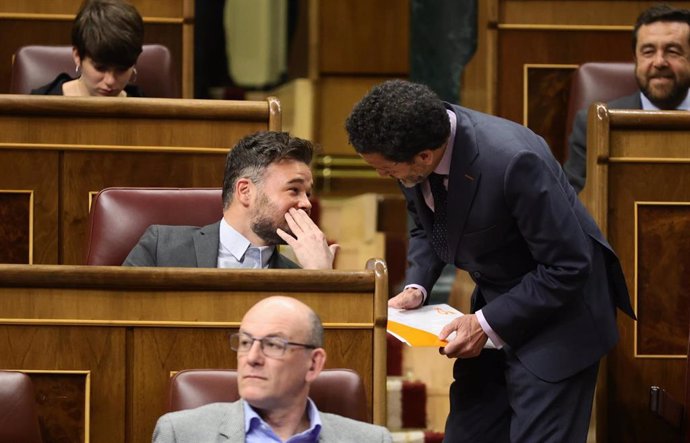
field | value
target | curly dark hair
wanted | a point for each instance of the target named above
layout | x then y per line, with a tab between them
659	13
110	32
398	119
254	153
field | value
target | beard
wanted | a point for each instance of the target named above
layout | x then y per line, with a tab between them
411	180
265	221
666	97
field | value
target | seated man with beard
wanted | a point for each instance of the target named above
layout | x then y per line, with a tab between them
661	45
266	191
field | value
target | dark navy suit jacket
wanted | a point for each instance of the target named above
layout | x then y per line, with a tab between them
576	163
546	279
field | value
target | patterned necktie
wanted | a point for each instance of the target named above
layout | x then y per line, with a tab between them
439	230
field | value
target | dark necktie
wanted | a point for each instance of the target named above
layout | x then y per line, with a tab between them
439	230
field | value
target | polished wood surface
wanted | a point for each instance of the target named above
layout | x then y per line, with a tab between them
535	100
576	12
65	148
638	166
127	329
363	37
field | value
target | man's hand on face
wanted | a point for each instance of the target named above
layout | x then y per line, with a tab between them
410	298
308	241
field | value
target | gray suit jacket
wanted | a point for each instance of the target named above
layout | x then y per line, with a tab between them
224	422
185	247
575	166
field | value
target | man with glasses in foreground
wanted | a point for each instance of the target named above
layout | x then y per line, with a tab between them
279	353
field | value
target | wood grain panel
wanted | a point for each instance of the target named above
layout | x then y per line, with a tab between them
158	352
336	97
615	184
36	171
549	47
97	349
663	276
548	88
40	7
62	400
15	234
364	37
576	12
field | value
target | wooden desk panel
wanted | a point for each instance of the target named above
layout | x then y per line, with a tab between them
64	148
127	329
638	169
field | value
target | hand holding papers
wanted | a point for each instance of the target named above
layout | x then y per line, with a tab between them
421	327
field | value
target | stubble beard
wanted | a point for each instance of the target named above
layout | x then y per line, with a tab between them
666	98
411	181
263	225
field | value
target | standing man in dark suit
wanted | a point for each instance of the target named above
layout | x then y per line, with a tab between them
661	45
266	190
487	195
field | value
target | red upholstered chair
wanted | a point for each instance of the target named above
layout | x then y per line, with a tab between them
338	391
599	82
18	417
119	216
35	66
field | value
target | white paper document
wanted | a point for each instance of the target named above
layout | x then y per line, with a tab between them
420	327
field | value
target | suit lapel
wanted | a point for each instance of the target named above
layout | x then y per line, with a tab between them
232	425
463	179
206	241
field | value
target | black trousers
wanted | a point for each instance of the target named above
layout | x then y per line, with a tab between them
495	399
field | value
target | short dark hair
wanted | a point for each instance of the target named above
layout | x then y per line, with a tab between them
316	331
110	32
398	119
254	153
659	13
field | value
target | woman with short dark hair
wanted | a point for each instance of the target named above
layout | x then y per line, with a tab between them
107	38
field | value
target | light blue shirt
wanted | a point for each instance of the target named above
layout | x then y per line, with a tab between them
648	106
256	430
235	251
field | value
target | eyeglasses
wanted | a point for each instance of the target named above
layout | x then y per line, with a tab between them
270	346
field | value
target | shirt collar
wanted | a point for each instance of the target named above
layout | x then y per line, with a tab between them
443	167
237	244
252	419
649	106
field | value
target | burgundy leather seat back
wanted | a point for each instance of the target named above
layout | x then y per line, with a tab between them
119	216
35	66
338	391
599	82
18	417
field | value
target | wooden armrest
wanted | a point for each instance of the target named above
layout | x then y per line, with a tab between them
665	406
